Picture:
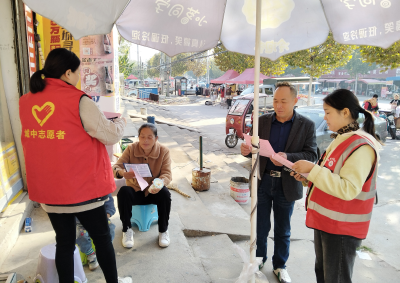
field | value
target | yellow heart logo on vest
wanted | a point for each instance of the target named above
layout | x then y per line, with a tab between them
48	110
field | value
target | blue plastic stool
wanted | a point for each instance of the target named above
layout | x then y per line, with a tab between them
144	215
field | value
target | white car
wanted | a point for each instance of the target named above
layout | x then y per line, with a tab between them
266	89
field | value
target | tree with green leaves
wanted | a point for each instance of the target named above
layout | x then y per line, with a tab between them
321	59
240	62
356	66
198	66
215	72
126	66
178	67
386	58
153	65
294	71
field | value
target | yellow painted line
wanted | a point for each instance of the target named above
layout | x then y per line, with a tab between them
13	199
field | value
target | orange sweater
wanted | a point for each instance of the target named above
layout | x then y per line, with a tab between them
159	161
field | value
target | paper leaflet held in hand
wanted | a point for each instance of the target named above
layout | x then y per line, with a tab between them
111	115
141	171
267	151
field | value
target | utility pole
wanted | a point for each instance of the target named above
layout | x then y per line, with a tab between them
162	72
168	73
137	60
208	70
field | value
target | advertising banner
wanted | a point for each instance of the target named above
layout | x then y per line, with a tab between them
99	61
99	69
54	36
30	40
10	176
384	91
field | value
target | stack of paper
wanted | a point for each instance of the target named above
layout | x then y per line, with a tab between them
141	171
267	151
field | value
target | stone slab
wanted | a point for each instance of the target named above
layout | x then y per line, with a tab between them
12	220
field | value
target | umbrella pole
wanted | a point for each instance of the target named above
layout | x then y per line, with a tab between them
255	139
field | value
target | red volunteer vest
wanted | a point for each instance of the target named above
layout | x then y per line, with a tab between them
334	215
64	165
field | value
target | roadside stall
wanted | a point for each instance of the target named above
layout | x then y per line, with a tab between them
180	85
368	87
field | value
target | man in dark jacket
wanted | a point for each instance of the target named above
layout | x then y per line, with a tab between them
292	136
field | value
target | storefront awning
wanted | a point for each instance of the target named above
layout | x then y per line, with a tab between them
393	79
332	80
367	81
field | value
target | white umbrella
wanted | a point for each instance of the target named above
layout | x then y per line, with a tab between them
174	26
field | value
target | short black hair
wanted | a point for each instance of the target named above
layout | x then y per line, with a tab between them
293	90
150	126
375	95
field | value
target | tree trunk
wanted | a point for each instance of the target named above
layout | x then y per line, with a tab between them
309	92
355	88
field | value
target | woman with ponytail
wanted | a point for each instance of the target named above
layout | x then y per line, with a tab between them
341	187
68	169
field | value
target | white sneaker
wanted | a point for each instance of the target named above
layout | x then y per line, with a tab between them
163	239
125	280
127	238
92	260
283	275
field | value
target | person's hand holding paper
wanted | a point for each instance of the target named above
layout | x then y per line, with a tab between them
129	174
139	171
303	167
265	147
280	158
275	160
245	149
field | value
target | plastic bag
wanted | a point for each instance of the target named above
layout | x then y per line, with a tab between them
249	268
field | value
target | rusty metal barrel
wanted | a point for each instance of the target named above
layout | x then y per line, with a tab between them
201	179
201	176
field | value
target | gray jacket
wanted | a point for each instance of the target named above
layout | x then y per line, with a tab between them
301	145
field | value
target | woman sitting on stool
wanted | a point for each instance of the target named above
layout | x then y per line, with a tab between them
146	150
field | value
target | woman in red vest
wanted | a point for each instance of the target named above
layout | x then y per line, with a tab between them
341	188
68	169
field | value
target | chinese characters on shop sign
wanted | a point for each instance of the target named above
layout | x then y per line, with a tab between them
59	34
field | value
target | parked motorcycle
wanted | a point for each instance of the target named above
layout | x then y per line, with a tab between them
391	125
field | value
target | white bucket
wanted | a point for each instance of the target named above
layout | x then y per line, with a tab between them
240	190
143	111
46	270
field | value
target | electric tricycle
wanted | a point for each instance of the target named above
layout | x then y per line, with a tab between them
240	117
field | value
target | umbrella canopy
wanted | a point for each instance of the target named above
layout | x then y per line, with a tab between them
247	77
230	74
131	77
173	26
